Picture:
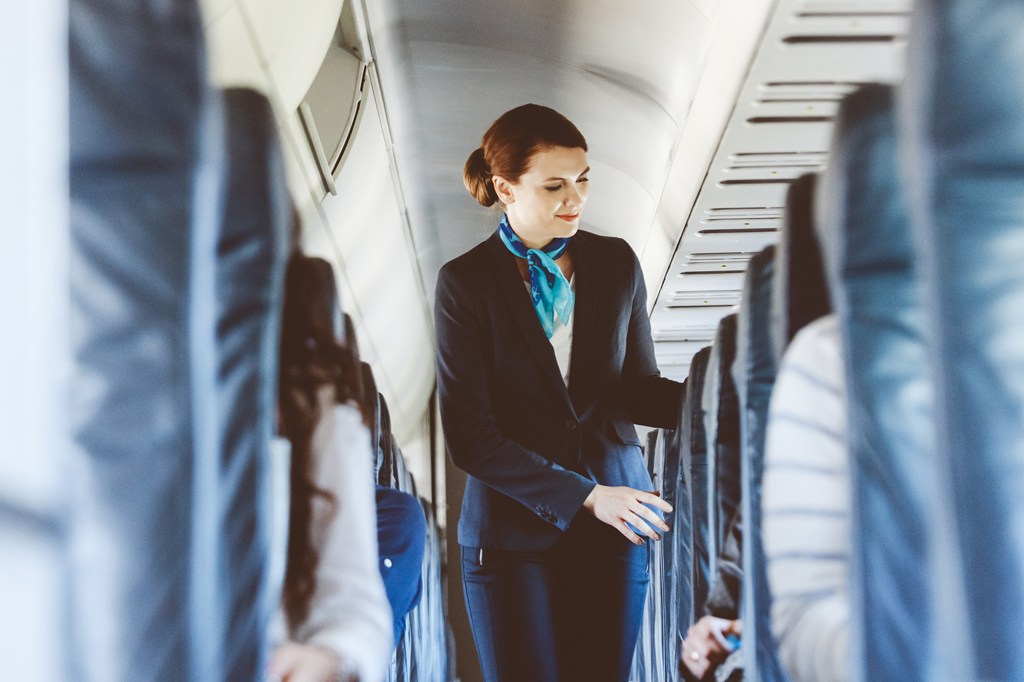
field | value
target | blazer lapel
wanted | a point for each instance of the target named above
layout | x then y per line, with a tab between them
511	285
588	284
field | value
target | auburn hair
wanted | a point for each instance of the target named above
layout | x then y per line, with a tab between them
311	358
510	143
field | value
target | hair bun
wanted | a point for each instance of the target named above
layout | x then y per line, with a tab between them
476	176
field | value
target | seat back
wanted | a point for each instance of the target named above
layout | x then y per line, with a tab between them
680	549
373	408
866	235
722	431
754	373
327	284
801	295
695	463
961	120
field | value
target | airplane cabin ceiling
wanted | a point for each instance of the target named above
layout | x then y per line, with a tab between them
812	53
624	72
629	74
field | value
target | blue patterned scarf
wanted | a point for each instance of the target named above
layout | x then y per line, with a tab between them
550	289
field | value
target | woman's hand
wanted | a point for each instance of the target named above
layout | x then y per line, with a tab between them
620	505
706	646
294	662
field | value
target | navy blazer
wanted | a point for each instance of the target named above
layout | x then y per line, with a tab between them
532	448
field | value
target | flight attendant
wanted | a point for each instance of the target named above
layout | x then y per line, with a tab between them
544	364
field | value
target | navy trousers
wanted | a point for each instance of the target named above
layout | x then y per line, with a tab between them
569	612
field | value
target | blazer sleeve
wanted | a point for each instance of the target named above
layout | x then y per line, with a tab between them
475	443
650	398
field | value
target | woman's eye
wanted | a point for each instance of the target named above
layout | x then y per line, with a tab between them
583	180
553	189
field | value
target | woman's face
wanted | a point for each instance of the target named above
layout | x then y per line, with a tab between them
548	198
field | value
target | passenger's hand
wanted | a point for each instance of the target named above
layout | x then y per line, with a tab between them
620	505
705	646
294	662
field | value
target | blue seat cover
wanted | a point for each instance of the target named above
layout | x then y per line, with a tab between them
962	112
754	373
722	431
695	463
801	295
866	234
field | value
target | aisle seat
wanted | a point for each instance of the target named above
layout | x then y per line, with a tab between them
871	267
801	295
754	373
695	466
722	430
961	116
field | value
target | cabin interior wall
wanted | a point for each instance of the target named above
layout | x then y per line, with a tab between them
362	230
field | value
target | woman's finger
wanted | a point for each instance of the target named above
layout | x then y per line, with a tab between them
654	501
630	535
639	524
647	514
694	658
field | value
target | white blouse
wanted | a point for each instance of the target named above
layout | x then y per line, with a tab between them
349	612
561	339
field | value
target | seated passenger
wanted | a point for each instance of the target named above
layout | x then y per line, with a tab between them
402	537
335	610
807	507
711	639
806	504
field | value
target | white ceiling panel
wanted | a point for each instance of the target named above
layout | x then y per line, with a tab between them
625	73
811	54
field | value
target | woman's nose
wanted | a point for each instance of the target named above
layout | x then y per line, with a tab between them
574	198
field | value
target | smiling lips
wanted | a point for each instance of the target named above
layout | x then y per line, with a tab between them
569	217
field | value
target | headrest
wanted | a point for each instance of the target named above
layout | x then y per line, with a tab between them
694	394
801	293
350	334
723	353
386	472
326	284
373	408
861	218
755	353
256	192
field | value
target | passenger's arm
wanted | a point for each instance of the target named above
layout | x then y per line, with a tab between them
650	398
475	443
349	613
294	662
706	646
806	506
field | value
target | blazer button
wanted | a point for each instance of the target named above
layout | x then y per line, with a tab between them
570	424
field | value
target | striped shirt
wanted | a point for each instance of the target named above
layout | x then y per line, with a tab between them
806	504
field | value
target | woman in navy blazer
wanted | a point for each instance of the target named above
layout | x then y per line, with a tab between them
544	364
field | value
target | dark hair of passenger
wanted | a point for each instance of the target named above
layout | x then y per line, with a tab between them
311	358
509	144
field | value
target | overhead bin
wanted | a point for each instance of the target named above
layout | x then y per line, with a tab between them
337	98
269	46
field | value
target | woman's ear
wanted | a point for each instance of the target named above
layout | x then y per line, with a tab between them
503	188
